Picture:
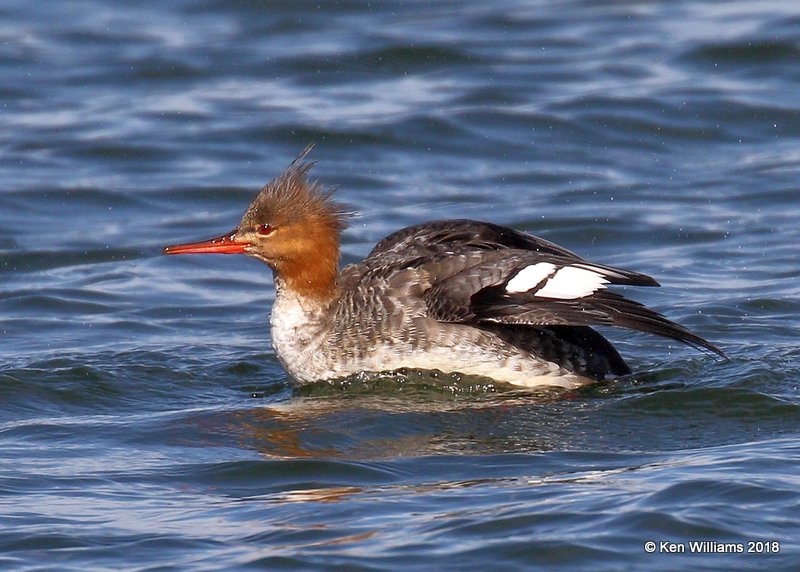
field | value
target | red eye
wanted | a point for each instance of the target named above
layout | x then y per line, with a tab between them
264	229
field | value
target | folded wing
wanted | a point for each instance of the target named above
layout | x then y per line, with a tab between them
486	274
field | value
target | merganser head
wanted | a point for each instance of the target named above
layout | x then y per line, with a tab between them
293	225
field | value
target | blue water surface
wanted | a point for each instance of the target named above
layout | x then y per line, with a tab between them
145	422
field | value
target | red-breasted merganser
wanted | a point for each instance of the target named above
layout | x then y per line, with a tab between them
459	296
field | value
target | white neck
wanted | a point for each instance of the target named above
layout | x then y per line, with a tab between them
297	329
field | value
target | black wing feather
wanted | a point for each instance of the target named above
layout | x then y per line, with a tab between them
437	236
600	309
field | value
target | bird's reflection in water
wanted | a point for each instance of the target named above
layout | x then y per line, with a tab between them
386	417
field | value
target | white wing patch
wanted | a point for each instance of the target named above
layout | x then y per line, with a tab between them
529	277
572	282
565	283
